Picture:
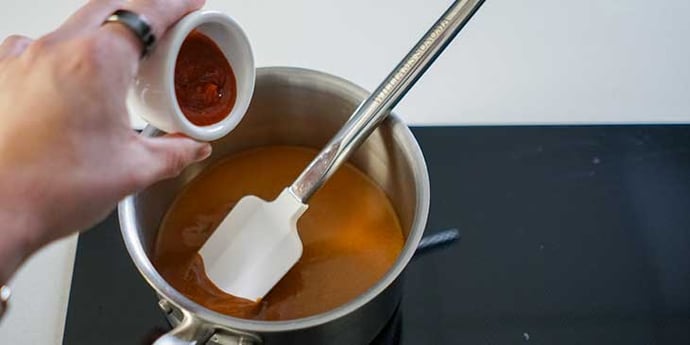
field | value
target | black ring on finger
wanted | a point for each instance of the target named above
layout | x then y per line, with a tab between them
138	25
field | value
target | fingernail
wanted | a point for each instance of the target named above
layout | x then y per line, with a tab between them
203	152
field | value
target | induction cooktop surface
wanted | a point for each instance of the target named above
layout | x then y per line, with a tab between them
570	235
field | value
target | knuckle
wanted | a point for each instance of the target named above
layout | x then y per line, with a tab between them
92	50
39	46
37	49
14	45
175	163
90	56
13	40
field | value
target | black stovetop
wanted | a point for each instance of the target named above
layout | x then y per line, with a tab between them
570	235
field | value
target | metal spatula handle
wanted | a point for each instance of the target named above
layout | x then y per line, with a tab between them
377	106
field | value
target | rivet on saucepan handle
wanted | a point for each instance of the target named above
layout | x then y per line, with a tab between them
189	330
223	339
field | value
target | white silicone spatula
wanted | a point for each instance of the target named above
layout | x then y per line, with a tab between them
257	242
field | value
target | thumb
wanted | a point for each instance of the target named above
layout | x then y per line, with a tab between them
166	156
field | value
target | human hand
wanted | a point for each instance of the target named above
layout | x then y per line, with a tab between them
67	151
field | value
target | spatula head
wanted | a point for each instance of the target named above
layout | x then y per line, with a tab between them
255	245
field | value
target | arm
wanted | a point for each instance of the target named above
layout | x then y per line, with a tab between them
67	151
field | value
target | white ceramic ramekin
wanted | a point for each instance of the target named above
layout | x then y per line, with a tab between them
152	94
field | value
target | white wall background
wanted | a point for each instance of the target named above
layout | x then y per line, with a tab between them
527	61
518	61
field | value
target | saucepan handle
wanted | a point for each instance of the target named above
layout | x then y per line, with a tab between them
188	332
192	331
437	240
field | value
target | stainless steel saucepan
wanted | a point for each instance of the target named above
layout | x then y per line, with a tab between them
301	107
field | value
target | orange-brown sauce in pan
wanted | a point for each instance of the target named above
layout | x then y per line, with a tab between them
350	232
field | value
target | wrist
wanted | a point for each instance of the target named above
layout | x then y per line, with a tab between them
16	244
19	236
